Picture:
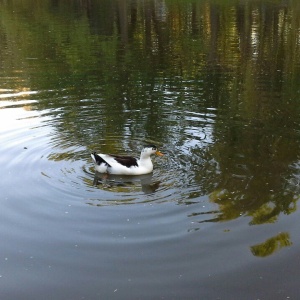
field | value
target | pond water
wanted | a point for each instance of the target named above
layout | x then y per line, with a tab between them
215	85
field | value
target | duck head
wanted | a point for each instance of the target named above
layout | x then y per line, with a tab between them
149	150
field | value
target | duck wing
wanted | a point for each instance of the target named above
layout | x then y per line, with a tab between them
126	161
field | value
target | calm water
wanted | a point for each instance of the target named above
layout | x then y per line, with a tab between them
214	84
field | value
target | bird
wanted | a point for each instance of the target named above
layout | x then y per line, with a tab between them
126	165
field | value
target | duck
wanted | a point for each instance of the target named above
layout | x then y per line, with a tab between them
126	165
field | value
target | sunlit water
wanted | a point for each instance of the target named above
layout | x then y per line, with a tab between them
217	218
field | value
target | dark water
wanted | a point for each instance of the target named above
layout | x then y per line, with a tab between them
214	84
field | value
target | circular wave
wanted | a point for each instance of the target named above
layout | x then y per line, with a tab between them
59	161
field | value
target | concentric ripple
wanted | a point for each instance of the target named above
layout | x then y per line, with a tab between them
59	160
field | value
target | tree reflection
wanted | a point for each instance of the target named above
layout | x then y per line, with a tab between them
271	245
216	82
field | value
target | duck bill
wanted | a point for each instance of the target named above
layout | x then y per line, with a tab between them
158	153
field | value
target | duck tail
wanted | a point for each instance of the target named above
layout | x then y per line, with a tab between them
93	155
98	160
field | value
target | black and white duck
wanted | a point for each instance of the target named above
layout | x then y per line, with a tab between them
126	165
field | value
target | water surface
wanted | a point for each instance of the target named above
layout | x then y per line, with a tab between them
214	84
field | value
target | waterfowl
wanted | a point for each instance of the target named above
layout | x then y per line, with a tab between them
126	165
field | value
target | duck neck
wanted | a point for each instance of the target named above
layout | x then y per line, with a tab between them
145	160
144	156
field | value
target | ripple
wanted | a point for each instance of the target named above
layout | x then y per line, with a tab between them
17	94
59	161
171	181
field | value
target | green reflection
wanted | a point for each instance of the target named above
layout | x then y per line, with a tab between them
272	245
216	82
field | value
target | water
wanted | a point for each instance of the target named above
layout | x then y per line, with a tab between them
214	85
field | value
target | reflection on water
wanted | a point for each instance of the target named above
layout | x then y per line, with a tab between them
271	245
126	185
228	120
145	182
214	84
